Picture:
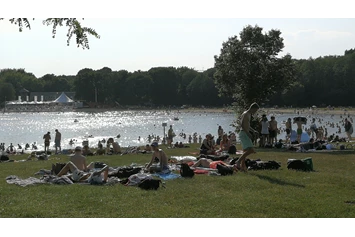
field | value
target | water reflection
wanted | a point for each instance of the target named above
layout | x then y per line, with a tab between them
22	128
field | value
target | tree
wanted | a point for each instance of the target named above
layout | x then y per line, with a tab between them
74	28
7	92
248	68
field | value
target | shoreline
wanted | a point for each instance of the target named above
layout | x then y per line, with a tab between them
268	111
302	111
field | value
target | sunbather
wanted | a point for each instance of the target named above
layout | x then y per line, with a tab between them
159	155
82	172
208	163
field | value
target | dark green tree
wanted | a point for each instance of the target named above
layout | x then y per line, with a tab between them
186	76
165	86
118	86
85	82
19	79
201	90
138	89
249	69
7	92
73	24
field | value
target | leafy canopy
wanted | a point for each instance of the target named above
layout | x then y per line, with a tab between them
74	28
248	68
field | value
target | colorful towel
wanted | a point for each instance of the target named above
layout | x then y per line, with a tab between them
168	176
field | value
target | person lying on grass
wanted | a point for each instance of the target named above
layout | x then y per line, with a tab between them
208	163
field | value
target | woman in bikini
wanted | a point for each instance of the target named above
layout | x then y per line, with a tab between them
225	143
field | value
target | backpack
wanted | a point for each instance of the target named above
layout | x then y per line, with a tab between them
4	158
124	172
296	165
136	179
232	149
262	165
99	165
186	171
224	170
150	184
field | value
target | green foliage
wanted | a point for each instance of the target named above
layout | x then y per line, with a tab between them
138	88
165	85
74	28
7	92
281	193
248	68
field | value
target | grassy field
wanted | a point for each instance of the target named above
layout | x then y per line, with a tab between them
329	191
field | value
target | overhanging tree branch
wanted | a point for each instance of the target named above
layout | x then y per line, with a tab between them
74	28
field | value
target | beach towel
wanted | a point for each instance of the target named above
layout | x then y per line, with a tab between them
168	176
183	158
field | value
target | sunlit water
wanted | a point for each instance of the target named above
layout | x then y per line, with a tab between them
22	128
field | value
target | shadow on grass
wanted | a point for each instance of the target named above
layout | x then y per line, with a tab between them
278	181
334	152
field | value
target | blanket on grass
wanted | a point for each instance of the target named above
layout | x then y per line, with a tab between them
115	175
168	176
51	179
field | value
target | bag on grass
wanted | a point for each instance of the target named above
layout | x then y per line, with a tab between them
186	171
232	149
302	165
296	165
150	184
4	158
99	165
224	170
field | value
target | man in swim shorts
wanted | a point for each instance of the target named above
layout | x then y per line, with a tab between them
245	136
159	155
47	138
82	172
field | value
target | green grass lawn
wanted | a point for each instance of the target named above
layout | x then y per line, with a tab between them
266	194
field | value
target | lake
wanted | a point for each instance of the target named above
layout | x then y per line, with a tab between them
22	128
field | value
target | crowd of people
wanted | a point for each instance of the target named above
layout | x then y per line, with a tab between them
264	132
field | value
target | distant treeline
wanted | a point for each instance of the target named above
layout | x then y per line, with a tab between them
328	80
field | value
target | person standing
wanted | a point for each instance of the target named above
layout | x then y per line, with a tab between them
273	130
264	130
170	135
288	130
220	134
47	138
348	128
313	127
245	136
299	129
57	140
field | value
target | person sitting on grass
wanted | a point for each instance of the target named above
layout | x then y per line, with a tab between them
207	146
81	172
159	156
116	149
225	144
87	151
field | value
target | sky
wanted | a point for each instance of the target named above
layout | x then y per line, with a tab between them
157	36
